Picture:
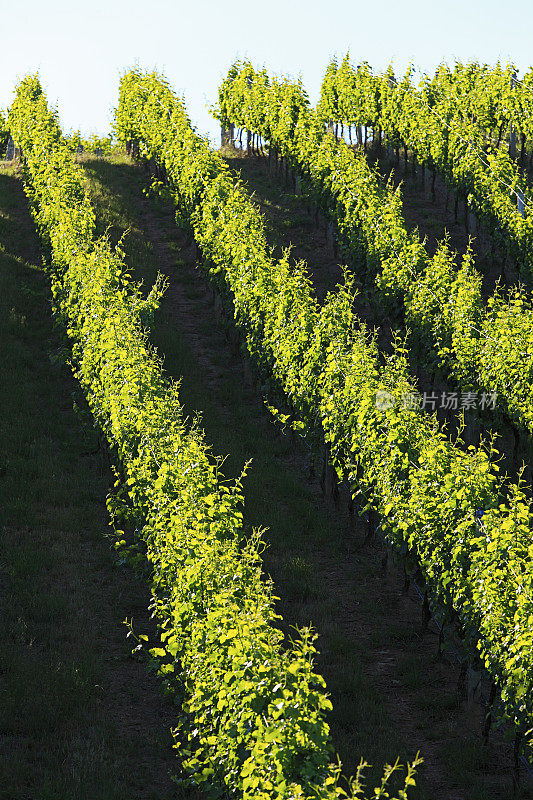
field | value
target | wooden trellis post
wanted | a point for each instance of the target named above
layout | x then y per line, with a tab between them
520	202
512	131
227	135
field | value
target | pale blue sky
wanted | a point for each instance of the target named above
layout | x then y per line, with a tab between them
80	49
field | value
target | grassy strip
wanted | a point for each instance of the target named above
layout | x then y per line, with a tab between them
79	719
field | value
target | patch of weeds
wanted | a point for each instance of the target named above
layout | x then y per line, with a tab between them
300	580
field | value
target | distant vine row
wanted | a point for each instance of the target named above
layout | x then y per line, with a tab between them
442	122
